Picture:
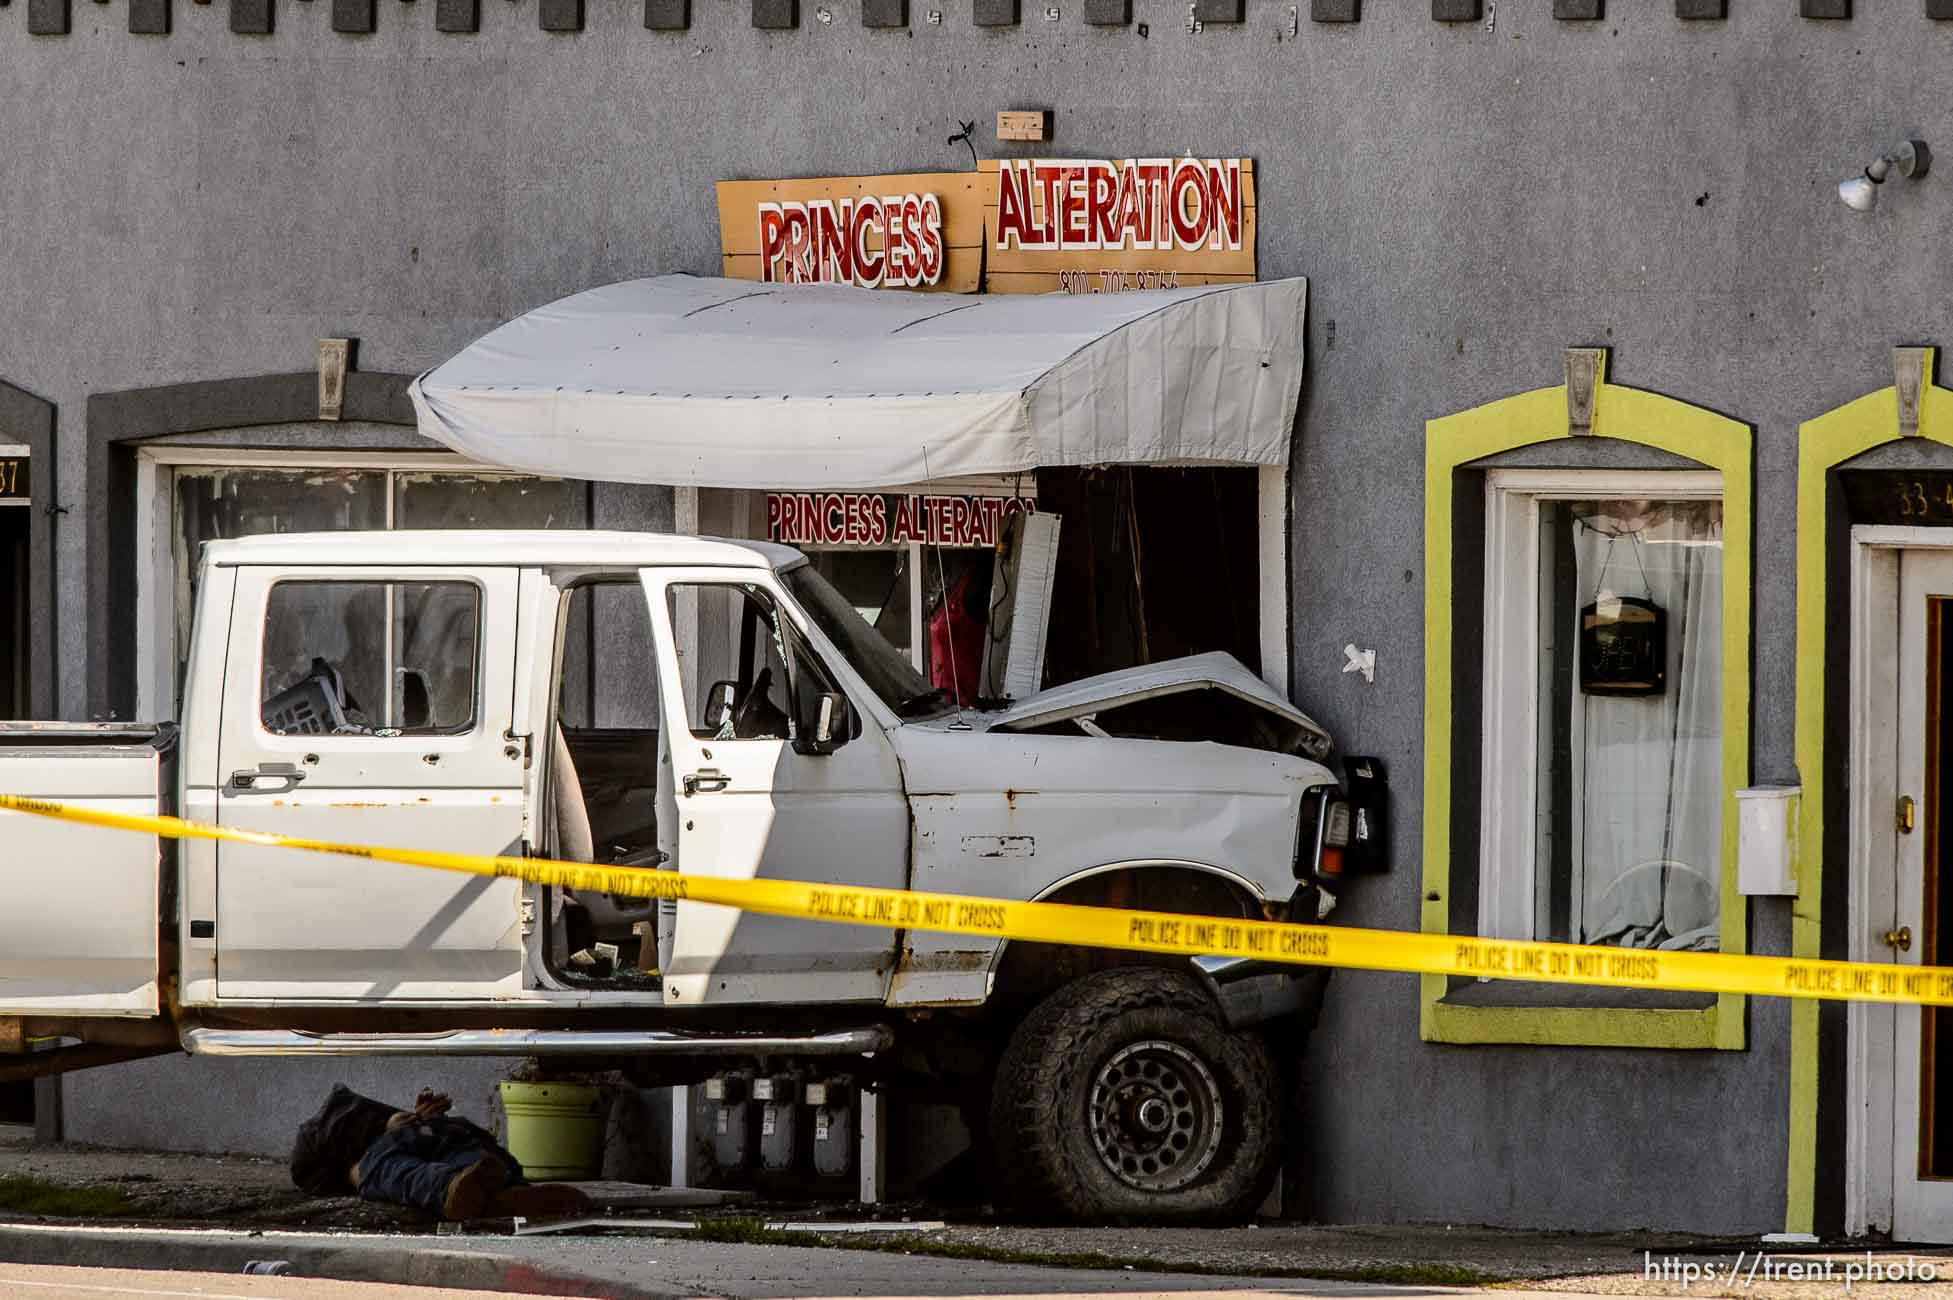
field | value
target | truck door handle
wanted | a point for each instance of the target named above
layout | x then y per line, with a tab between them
706	780
258	780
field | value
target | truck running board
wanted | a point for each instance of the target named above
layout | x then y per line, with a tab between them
535	1042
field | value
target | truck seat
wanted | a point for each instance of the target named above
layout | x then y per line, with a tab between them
567	809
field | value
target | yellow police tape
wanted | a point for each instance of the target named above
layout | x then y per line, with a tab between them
1110	927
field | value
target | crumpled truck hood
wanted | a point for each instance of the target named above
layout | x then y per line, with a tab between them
1294	731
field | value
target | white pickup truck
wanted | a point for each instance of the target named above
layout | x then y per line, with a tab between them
692	705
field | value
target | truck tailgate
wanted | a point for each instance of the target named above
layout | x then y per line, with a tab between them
79	905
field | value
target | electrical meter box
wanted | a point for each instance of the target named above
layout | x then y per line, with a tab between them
727	1110
778	1097
1766	841
832	1108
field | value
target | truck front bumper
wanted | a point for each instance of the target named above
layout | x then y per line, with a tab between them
1250	991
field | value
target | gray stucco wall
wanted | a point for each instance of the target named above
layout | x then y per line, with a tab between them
1465	201
255	1106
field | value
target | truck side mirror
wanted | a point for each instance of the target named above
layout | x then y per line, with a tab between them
719	701
828	727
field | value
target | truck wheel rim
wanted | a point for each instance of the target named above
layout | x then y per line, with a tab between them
1155	1115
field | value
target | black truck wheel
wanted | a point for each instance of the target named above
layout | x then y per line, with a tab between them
1122	1098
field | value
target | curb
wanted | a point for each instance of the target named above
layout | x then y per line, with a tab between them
80	1246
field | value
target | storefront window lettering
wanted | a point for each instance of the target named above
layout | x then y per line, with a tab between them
888	519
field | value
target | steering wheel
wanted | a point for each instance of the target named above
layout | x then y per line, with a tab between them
755	716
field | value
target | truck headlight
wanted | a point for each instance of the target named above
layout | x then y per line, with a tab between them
1334	836
1325	833
1351	822
1367	786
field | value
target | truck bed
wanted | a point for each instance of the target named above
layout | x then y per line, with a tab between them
80	927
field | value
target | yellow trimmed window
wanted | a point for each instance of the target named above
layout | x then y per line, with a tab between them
1599	748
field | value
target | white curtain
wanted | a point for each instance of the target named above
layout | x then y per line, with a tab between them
1647	770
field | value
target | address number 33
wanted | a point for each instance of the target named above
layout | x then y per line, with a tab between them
1914	503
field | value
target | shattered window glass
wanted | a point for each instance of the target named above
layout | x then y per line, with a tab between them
441	500
219	504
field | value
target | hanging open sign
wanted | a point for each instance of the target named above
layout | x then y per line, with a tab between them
1623	647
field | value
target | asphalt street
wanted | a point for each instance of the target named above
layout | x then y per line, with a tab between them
36	1282
662	1267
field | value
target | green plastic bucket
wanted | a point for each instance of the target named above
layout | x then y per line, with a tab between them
556	1130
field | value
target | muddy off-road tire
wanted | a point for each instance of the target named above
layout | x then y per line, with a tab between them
1122	1098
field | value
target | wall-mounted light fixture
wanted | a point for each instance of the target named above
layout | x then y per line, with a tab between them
1860	193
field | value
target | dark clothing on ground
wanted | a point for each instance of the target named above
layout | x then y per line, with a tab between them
413	1164
332	1141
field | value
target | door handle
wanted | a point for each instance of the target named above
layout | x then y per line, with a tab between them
706	780
1900	938
248	781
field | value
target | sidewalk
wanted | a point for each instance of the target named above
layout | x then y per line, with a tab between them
649	1268
166	1187
147	1192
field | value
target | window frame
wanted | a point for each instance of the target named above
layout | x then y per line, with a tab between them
1456	444
477	706
679	593
798	658
158	647
566	590
1508	802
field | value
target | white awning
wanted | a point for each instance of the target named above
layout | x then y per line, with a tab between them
732	383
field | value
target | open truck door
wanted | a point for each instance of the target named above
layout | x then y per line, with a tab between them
762	795
80	906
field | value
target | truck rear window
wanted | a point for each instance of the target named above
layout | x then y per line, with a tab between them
371	658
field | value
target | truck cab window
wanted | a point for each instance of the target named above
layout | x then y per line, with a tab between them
750	663
736	685
885	668
371	658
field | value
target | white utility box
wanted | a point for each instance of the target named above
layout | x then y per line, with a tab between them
1766	845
